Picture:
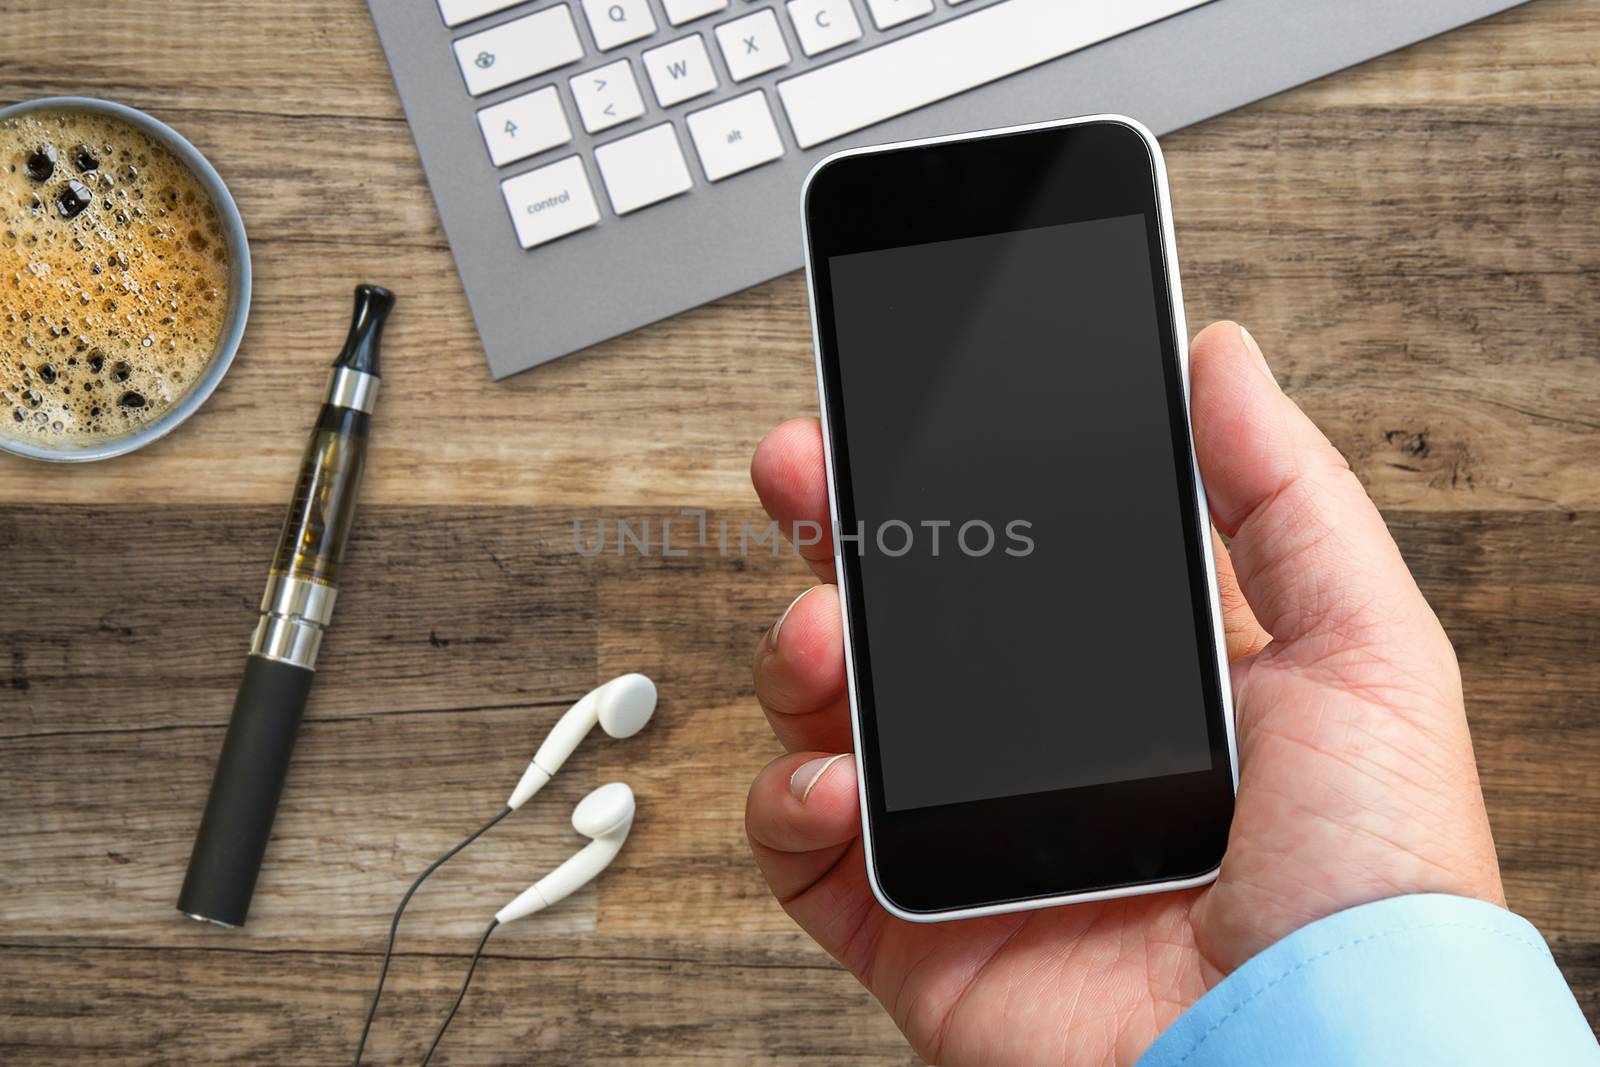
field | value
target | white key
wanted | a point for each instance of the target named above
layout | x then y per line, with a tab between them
888	13
607	96
753	45
524	125
681	11
680	71
616	22
735	135
550	202
643	169
518	49
824	24
952	57
456	12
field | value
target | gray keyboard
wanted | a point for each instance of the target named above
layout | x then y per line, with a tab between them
601	164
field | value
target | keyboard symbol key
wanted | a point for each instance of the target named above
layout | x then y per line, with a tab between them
607	96
518	49
524	125
734	136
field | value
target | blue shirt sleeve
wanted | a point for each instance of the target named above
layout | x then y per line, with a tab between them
1426	979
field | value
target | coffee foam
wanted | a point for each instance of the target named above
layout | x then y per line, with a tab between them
109	317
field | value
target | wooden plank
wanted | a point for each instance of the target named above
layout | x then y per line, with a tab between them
126	1007
1541	52
140	617
101	825
318	59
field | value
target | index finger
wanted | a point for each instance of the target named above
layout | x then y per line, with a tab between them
791	479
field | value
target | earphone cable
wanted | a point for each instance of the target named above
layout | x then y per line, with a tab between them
465	982
394	926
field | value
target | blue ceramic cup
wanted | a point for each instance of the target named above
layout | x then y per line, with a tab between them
238	288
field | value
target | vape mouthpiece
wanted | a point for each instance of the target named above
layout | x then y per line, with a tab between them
373	303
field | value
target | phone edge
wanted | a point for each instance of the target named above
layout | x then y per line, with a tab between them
1180	327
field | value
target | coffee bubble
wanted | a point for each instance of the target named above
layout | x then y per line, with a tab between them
41	163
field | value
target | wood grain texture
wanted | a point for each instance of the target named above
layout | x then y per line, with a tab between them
1414	241
525	1007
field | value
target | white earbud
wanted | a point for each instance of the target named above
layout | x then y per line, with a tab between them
622	707
606	816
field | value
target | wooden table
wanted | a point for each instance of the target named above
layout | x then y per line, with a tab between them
1416	243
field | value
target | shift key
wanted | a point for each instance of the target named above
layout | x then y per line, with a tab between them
550	202
519	49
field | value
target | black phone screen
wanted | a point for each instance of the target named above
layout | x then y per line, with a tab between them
1023	565
1031	622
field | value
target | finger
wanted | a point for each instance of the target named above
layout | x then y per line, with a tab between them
791	480
1311	553
1244	634
799	673
801	816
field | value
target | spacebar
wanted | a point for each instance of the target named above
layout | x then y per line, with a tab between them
952	57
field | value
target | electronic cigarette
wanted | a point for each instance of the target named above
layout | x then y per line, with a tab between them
295	612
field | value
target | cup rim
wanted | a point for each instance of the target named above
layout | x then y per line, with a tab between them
239	280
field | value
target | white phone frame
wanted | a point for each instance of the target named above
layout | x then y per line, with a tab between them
1169	250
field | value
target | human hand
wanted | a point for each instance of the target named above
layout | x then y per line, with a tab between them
1357	779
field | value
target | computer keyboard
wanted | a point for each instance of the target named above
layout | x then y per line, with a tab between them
600	164
901	73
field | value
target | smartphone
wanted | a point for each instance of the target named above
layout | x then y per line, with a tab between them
1037	672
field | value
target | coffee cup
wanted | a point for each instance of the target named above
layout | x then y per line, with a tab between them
130	309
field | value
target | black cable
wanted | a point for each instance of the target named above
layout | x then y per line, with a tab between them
471	967
394	926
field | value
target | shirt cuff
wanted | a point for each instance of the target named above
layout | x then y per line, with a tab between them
1420	979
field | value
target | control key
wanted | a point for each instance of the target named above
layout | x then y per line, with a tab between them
550	202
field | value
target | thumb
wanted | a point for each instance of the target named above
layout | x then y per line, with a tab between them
1313	556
